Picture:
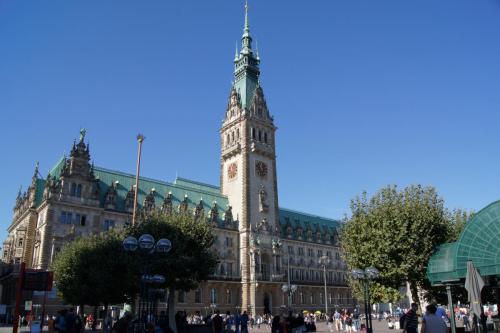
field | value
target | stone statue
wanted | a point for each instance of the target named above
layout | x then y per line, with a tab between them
263	206
82	134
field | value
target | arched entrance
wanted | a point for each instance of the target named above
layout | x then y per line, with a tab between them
267	303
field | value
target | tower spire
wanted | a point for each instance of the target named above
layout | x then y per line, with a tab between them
247	27
246	39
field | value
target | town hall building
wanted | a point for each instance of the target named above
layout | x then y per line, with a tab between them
261	246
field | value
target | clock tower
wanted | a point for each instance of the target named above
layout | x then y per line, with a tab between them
248	158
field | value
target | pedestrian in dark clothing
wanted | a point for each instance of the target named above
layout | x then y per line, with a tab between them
244	322
411	320
275	326
217	323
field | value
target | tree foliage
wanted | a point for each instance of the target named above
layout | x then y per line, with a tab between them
191	258
395	231
95	270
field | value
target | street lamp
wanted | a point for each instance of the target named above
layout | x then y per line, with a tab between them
289	288
366	276
323	261
147	247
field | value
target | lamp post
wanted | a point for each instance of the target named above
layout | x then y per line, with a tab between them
289	288
147	247
366	276
323	261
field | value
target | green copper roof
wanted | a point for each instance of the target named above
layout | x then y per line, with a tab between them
246	67
180	188
479	242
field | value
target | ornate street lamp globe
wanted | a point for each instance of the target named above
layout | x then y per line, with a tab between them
358	273
146	242
372	273
130	243
293	287
284	288
163	245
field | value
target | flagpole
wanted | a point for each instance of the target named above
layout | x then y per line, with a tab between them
140	139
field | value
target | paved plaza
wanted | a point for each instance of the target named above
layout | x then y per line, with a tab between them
378	327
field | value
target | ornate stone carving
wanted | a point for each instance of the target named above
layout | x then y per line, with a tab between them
166	207
228	217
199	212
110	197
129	200
183	207
149	202
213	216
263	206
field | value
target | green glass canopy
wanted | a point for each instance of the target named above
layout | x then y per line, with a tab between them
479	242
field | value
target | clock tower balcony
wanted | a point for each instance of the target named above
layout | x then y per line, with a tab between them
262	148
231	150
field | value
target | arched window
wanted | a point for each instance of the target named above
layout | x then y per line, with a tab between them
265	137
213	296
260	135
79	191
253	133
227	139
232	136
72	191
238	133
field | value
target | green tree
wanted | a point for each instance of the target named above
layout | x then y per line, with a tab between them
192	258
396	232
458	219
95	270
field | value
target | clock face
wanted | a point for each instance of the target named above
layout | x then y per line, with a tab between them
261	168
232	170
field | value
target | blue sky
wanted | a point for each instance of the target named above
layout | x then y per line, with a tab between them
364	93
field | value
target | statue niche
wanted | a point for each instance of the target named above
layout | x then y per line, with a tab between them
263	206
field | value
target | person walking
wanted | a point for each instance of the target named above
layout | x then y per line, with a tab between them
411	320
431	323
244	322
217	323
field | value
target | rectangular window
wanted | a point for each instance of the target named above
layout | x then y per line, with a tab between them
290	249
301	251
181	296
229	242
66	217
108	224
197	295
228	296
229	269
